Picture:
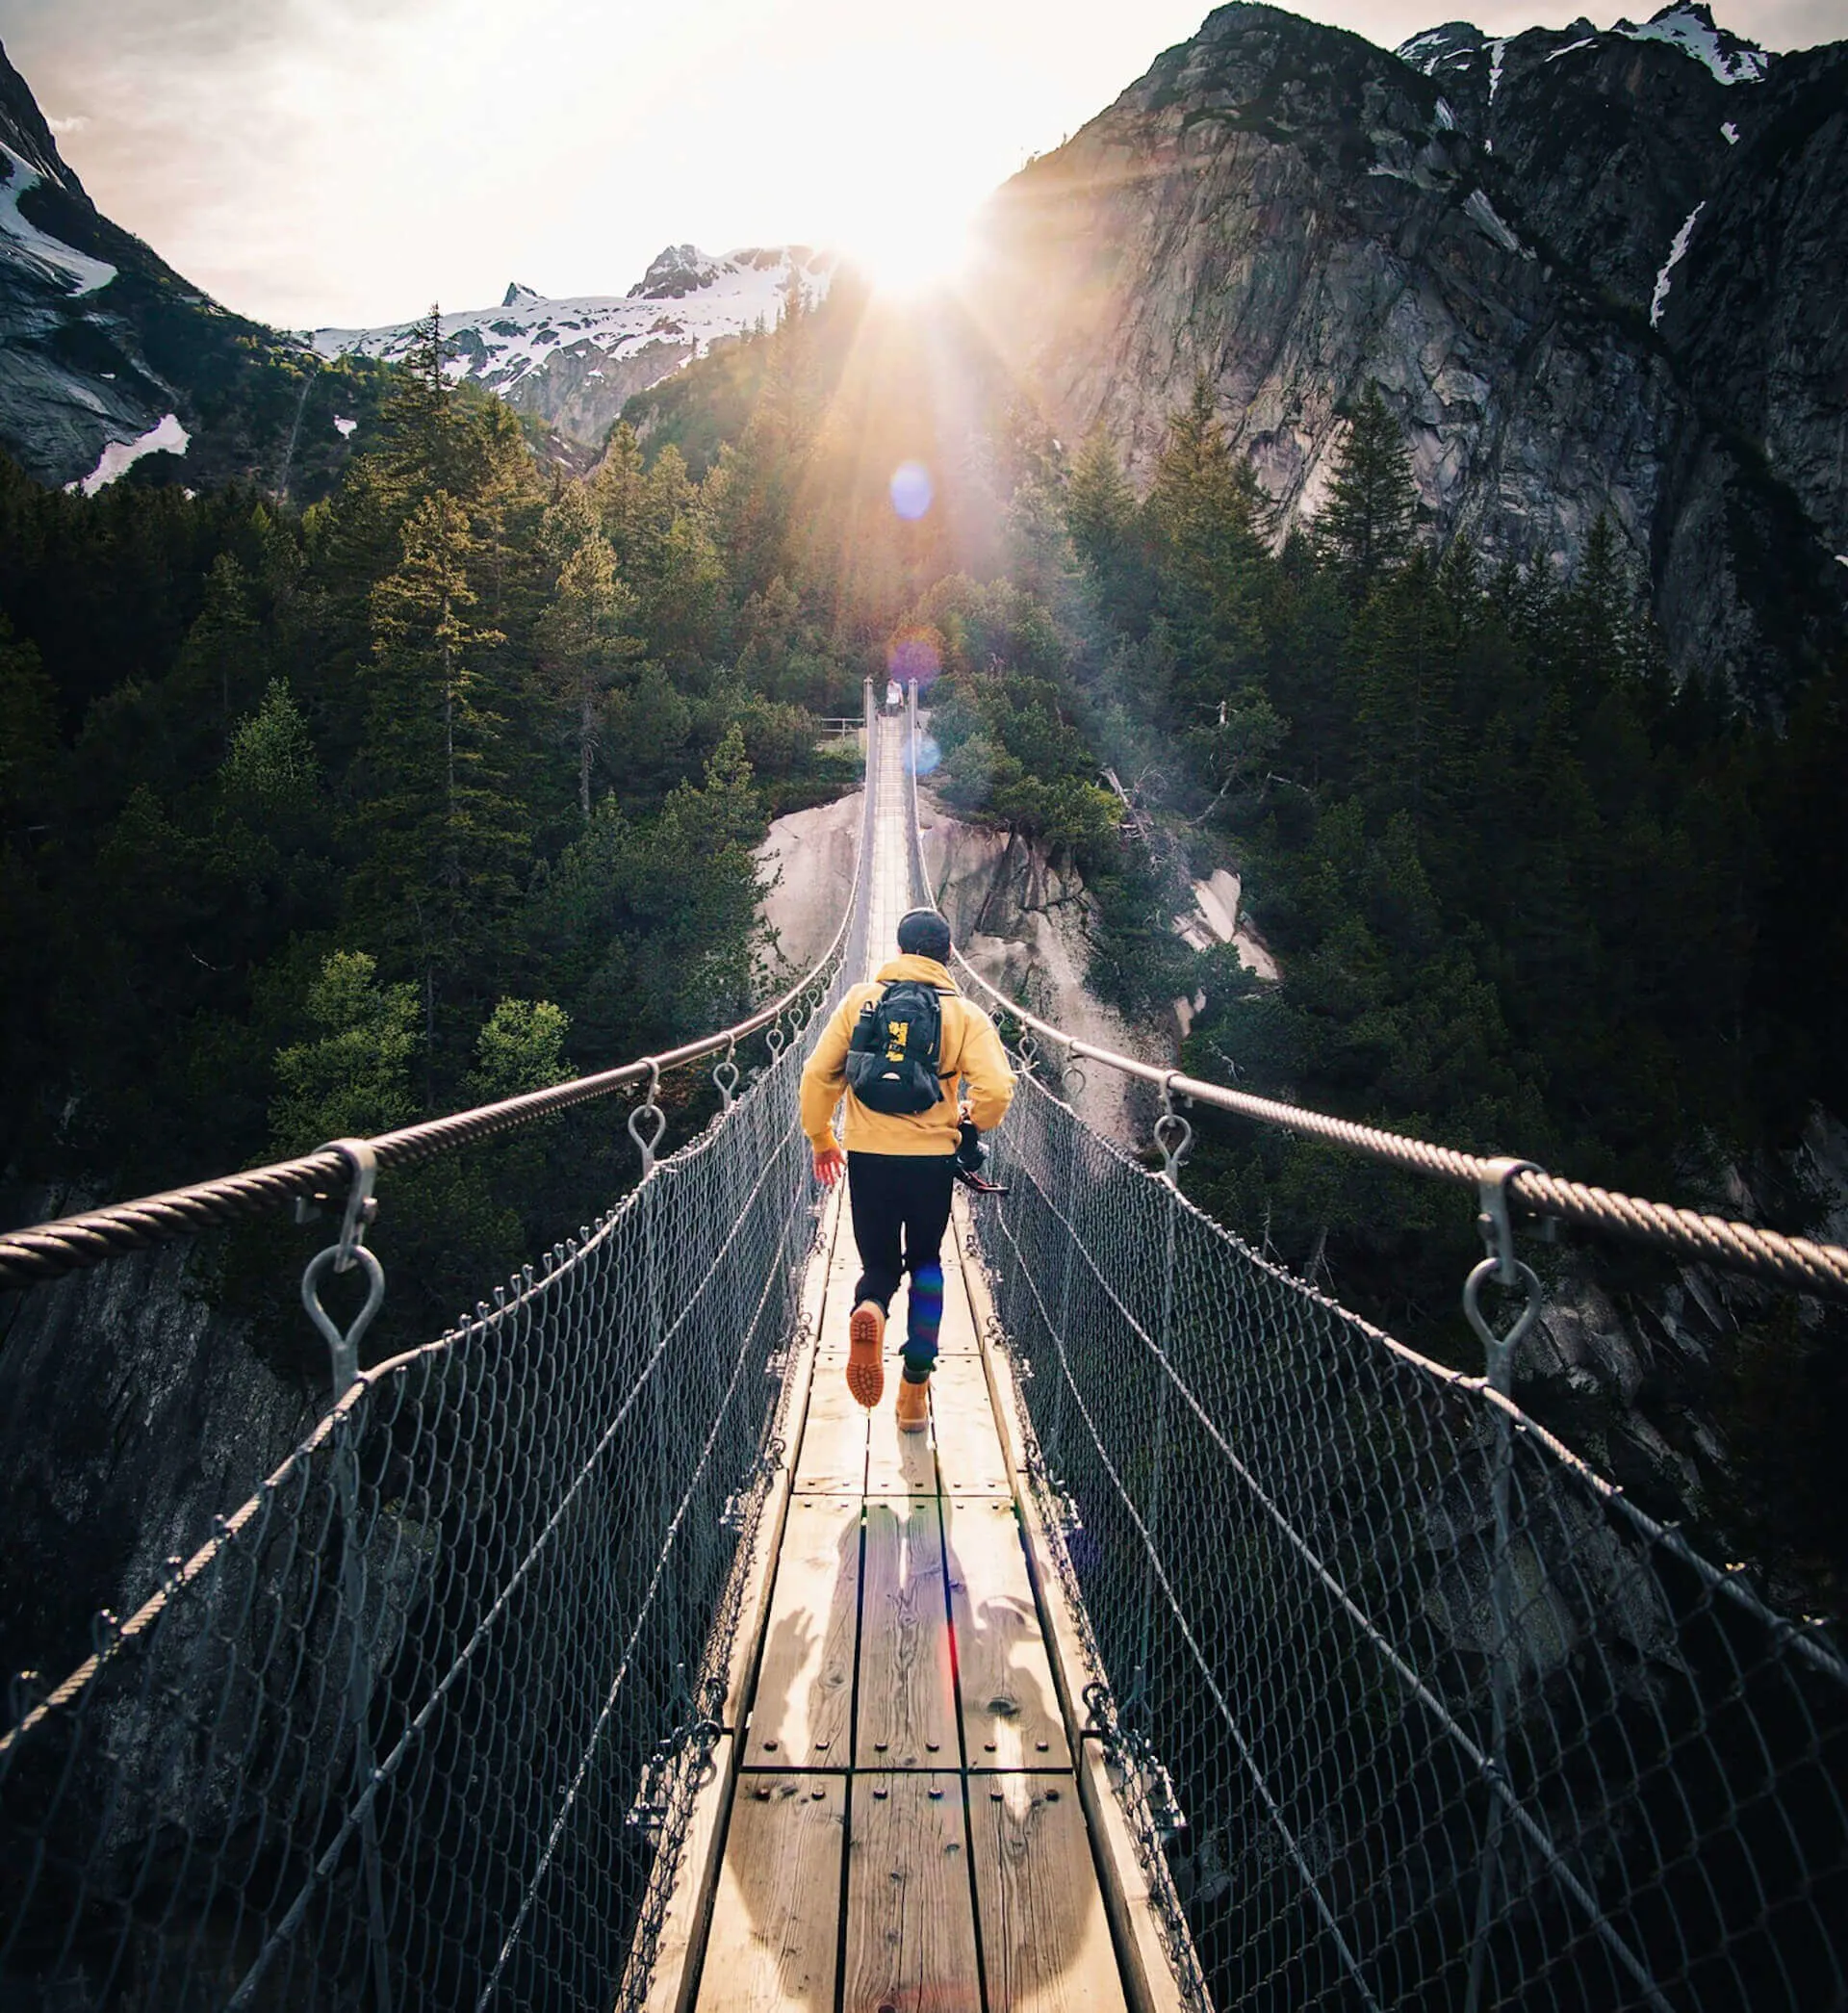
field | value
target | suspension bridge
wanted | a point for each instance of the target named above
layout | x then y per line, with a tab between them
1211	1649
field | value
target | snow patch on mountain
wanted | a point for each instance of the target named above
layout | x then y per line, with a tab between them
1478	208
1425	52
1690	28
685	302
167	437
49	257
1676	254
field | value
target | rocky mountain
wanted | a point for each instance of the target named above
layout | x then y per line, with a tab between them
575	363
1592	272
109	357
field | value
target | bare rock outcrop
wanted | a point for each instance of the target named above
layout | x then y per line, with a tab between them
1488	230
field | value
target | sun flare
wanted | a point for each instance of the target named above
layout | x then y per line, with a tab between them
910	246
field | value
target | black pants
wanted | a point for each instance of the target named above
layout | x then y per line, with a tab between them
901	1203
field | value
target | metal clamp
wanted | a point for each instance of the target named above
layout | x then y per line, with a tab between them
1028	1050
724	1075
1073	1073
362	1207
1173	1136
648	1109
1496	1221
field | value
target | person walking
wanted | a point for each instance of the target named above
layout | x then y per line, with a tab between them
895	1050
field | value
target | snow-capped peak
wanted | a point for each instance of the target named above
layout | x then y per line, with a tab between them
1688	25
1454	44
686	301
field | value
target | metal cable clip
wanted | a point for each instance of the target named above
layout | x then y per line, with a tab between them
1173	1136
1072	1076
1496	1222
724	1075
362	1207
649	1109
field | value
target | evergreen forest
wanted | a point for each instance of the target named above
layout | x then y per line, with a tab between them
315	821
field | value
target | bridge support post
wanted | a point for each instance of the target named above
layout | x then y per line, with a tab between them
343	1348
1505	1270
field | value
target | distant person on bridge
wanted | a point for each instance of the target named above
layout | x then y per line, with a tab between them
895	1048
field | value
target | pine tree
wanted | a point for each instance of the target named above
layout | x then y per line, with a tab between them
446	836
1206	517
583	637
1102	517
1366	525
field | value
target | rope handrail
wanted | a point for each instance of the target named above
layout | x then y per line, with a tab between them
41	1252
1796	1261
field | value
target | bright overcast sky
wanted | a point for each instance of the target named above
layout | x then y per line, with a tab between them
316	162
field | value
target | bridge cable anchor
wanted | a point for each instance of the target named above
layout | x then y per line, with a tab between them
350	1250
649	1109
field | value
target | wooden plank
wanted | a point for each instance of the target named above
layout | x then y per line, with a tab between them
898	1463
776	1917
832	1460
672	1977
1136	1912
759	1571
906	1712
1010	1716
968	1446
668	1982
802	1711
911	1924
1045	1938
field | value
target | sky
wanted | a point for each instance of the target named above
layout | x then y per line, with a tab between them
314	163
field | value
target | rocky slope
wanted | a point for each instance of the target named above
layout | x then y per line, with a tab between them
1498	232
577	363
108	357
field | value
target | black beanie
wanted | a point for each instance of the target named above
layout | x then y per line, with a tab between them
922	933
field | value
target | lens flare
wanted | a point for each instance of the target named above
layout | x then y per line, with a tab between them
911	490
914	653
928	754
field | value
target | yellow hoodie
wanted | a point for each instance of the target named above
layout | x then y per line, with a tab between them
971	1049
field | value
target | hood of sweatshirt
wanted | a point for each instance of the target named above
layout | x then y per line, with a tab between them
910	966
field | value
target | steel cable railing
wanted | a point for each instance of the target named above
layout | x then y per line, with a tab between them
421	1724
1409	1706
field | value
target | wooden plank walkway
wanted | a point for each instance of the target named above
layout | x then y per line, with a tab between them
905	1833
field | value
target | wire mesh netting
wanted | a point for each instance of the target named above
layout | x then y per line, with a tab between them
1415	1709
420	1727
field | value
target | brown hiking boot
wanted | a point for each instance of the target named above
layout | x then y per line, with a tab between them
866	1338
913	1406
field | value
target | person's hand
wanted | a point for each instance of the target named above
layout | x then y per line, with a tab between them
830	1163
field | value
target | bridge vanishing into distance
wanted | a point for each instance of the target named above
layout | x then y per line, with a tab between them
1211	1649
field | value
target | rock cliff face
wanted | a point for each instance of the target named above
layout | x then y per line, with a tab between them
1499	234
109	357
130	1416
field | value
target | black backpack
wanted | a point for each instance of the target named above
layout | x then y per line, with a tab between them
896	1045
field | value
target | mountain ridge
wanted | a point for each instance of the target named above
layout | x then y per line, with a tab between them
1296	213
576	362
108	355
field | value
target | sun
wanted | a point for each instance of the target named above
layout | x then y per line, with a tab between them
913	241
